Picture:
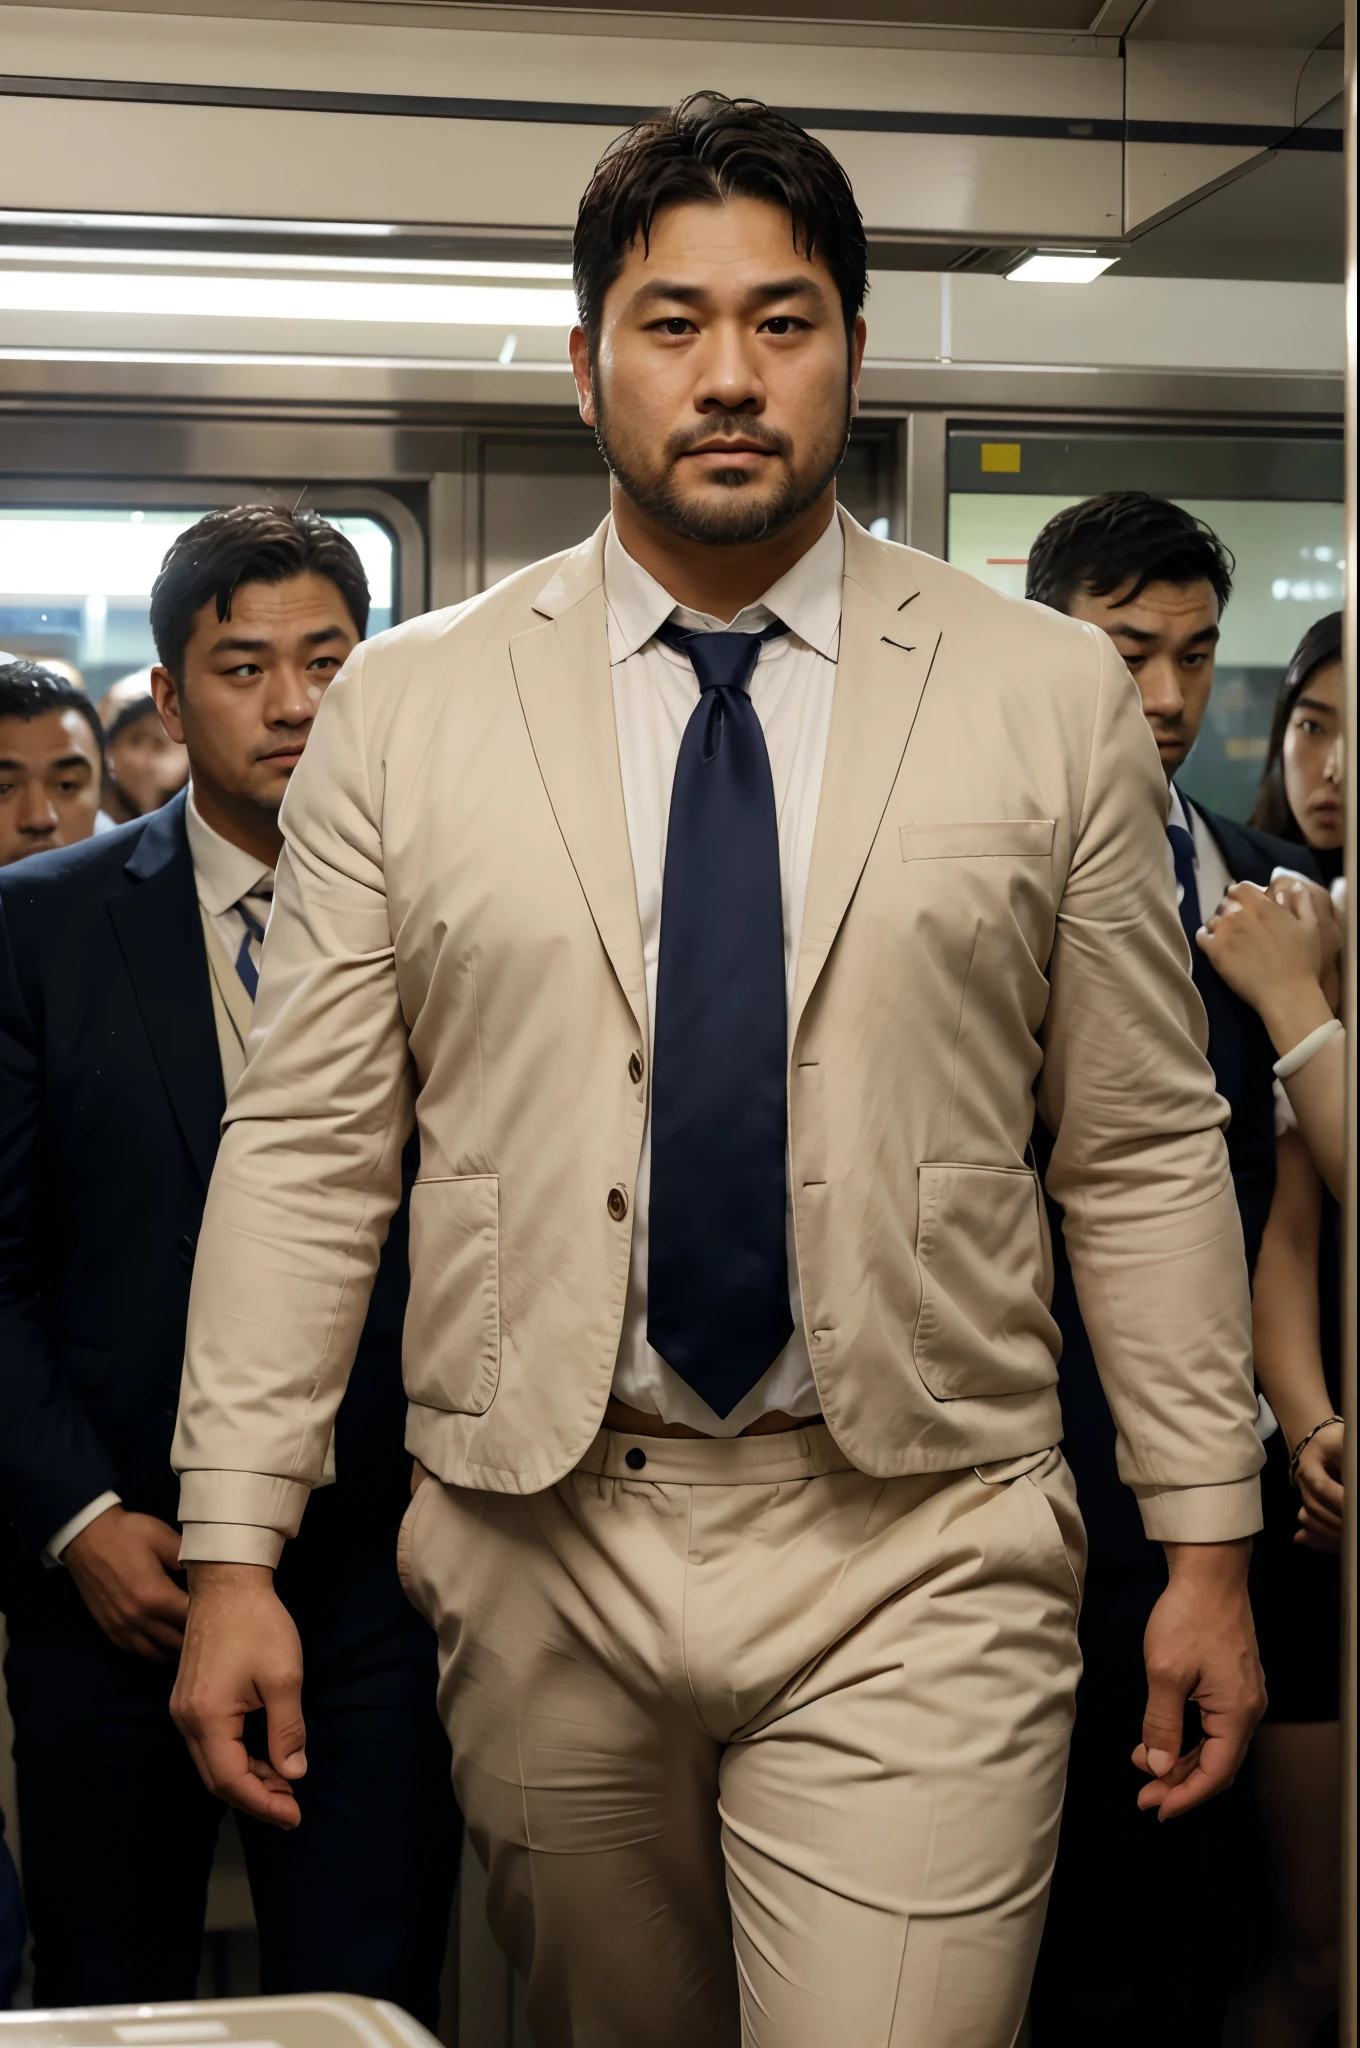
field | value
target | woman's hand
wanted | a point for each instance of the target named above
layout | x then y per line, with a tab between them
1272	955
1319	1480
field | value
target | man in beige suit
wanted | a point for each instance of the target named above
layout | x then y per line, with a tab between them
720	1012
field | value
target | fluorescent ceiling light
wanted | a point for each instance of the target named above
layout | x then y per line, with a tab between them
270	298
190	223
217	259
1060	266
118	554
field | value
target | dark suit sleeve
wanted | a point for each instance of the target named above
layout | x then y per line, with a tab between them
51	1462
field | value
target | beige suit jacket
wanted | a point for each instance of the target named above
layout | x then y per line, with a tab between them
455	943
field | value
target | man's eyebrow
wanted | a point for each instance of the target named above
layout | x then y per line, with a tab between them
1138	633
1315	704
323	633
71	761
11	766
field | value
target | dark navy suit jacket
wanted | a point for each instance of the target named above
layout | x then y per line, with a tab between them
110	1100
1242	1058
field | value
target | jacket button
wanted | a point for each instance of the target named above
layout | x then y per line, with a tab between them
635	1459
617	1204
635	1068
187	1247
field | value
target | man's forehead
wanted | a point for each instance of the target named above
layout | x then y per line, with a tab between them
708	238
48	736
297	603
1164	607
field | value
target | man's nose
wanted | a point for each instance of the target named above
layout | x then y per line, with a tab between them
1160	689
293	698
37	813
728	379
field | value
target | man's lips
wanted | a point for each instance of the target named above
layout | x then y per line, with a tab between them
745	452
290	754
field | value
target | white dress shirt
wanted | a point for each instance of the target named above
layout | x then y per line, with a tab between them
655	692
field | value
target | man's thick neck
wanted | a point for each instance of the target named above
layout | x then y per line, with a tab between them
255	832
711	576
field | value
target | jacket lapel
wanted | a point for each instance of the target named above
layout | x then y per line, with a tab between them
563	678
888	645
158	929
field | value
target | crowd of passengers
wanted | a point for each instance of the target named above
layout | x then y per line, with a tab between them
165	798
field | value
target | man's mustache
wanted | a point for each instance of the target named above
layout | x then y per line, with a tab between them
729	426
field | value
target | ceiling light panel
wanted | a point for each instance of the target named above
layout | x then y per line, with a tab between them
1060	266
268	261
278	298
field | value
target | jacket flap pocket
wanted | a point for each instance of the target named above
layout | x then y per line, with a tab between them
451	1346
983	1329
979	839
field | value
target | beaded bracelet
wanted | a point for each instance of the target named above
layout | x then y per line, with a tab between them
1304	1441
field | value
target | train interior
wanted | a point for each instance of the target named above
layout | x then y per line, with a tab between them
318	252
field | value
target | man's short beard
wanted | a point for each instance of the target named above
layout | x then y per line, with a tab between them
735	517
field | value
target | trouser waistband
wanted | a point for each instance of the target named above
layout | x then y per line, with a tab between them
716	1461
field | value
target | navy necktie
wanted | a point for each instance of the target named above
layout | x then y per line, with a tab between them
1187	889
245	965
718	1274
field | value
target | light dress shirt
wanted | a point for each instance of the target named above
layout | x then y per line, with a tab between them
223	874
655	692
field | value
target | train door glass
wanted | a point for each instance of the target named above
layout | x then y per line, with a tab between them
74	582
544	492
1276	503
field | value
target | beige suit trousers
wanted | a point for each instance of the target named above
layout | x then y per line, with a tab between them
758	1749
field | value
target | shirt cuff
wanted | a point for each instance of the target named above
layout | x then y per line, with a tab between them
69	1531
229	1543
1200	1514
256	1500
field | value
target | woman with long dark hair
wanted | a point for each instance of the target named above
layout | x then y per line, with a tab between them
1279	963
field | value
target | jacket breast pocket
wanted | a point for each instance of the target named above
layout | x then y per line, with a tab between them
978	839
451	1344
982	1248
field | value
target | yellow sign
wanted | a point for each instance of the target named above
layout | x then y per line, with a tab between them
1001	458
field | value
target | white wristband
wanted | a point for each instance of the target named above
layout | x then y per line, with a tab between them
1291	1062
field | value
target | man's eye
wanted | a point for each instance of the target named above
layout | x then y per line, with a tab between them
674	324
329	662
247	669
782	323
1194	660
1133	662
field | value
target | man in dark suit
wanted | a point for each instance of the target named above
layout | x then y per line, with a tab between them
1156	580
127	975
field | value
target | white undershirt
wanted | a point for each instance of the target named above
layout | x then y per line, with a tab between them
655	692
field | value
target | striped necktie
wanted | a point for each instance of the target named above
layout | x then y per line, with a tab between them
253	911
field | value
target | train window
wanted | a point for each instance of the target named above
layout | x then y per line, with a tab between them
1276	503
75	580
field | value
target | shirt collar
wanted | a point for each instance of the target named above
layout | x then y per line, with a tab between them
1177	814
223	873
807	598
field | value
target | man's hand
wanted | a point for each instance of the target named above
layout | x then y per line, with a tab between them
121	1564
1200	1645
241	1652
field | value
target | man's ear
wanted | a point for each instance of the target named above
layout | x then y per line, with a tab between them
580	369
166	692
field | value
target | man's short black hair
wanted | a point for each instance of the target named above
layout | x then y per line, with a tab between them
130	714
711	148
28	690
247	544
1125	537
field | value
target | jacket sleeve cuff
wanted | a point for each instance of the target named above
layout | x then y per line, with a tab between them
1200	1514
229	1543
256	1499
